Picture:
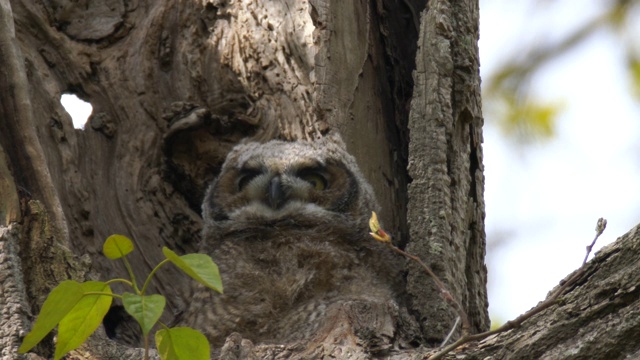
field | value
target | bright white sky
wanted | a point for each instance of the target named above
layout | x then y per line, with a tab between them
544	200
78	109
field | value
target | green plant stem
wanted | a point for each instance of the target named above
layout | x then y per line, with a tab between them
146	347
146	283
119	280
131	275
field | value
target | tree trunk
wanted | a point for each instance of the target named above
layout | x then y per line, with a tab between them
446	196
174	85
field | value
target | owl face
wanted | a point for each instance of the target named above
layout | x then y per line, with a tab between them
285	180
286	222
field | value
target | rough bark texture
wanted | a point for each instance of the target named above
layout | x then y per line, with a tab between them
13	301
597	318
446	199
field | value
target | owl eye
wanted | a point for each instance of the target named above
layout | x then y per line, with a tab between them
246	175
317	180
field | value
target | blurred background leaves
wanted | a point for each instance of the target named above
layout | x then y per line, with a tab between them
524	117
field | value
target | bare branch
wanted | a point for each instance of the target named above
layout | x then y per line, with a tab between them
550	301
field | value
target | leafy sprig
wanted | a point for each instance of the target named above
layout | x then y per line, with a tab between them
78	308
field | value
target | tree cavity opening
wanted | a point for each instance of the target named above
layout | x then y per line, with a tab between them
78	109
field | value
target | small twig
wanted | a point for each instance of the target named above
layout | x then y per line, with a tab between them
602	224
550	301
380	235
446	294
450	334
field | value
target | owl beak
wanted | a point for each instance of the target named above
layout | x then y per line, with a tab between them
276	196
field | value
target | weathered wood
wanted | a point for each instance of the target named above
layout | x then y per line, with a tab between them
598	318
18	115
14	307
446	200
9	199
362	90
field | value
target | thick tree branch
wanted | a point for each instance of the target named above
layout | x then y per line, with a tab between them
17	121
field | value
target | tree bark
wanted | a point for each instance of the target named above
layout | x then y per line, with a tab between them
597	318
446	195
174	85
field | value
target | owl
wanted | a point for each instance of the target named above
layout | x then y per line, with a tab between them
287	224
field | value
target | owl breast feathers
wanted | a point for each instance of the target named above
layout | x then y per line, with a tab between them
287	224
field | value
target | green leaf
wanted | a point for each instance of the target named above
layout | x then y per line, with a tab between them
57	305
146	309
198	266
84	318
182	343
117	246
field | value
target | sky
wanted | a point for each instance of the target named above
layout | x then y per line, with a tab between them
543	200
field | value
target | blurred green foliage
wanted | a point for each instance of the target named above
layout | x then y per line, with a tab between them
506	93
634	68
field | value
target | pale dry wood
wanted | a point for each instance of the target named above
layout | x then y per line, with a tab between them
9	200
355	94
18	119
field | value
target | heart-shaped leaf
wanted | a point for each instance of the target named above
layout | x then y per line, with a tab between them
117	246
198	266
182	343
84	318
146	309
58	304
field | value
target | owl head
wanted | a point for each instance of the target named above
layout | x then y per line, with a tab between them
279	181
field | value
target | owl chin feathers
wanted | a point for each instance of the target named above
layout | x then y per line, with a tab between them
258	211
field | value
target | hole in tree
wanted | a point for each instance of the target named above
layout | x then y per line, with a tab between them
78	109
